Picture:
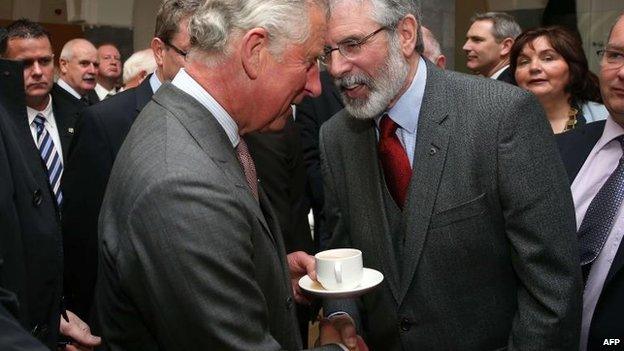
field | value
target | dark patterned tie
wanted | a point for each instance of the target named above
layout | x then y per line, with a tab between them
50	157
249	168
86	100
600	215
394	161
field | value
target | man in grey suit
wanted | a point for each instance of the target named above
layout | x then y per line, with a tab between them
452	187
191	256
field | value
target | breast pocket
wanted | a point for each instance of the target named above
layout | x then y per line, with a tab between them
467	209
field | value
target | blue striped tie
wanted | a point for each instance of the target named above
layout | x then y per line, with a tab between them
50	157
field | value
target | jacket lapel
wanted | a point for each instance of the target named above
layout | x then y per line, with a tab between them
211	137
434	129
576	145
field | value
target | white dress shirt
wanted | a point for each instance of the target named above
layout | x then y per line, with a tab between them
50	125
154	82
103	93
601	162
61	83
406	111
187	84
499	72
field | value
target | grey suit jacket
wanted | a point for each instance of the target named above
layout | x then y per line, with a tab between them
489	253
189	260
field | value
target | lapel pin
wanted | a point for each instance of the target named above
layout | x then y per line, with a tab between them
70	130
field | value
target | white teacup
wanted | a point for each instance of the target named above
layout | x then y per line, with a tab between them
339	269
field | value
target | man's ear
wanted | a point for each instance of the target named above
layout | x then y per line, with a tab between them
506	45
158	47
408	34
254	46
441	61
63	65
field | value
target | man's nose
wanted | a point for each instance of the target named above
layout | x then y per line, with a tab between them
466	46
338	64
36	69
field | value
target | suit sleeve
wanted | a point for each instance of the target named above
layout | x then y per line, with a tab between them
12	335
206	299
540	226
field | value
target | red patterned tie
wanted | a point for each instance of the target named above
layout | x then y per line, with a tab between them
249	168
396	166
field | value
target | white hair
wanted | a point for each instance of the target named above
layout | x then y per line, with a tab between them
432	46
217	22
68	49
389	12
142	60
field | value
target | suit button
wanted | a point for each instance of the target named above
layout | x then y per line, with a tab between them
406	324
289	303
39	331
37	198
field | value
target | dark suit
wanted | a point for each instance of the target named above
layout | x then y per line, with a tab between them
66	110
608	319
507	76
189	259
279	163
476	260
310	115
102	129
31	256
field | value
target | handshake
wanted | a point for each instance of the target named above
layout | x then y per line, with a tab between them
337	271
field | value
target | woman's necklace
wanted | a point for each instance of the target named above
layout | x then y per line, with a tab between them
571	123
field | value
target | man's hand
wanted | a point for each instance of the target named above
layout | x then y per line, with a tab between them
79	333
340	328
300	264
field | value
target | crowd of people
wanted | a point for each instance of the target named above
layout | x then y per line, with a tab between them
163	204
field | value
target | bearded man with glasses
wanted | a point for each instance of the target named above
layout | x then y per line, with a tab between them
593	158
452	187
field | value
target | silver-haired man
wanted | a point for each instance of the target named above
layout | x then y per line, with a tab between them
191	257
137	67
448	184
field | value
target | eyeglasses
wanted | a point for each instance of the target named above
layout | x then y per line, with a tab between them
611	58
349	49
175	48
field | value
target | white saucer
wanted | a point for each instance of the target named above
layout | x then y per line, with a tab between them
370	279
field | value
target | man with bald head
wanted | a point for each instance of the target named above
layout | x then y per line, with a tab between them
78	67
109	71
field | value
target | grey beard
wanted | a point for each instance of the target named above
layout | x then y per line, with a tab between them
391	78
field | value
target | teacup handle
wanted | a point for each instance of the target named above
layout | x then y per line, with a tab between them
338	272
